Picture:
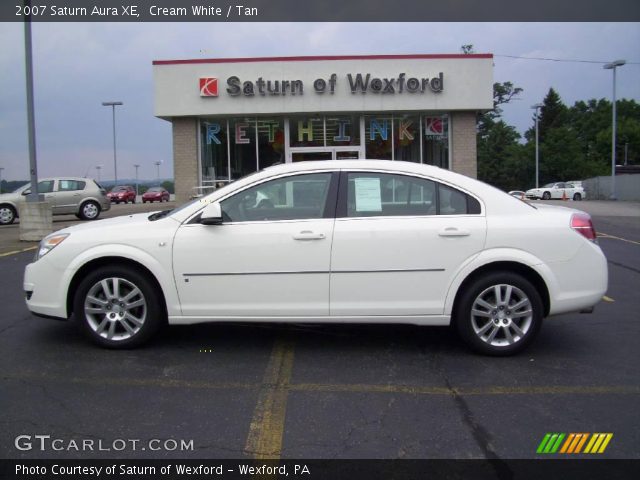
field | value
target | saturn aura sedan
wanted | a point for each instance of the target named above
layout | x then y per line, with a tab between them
360	241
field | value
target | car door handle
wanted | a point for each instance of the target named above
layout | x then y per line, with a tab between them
76	194
308	235
454	232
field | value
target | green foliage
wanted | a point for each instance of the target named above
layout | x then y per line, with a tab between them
575	142
169	186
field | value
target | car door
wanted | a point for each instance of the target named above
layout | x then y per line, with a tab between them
68	196
398	242
269	258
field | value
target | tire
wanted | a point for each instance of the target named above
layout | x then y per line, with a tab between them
489	326
577	197
133	200
89	210
105	317
7	214
546	196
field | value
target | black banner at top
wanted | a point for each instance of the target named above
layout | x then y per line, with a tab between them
319	11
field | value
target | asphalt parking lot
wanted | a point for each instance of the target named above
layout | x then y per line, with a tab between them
309	391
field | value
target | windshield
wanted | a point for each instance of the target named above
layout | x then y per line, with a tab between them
22	188
155	189
119	189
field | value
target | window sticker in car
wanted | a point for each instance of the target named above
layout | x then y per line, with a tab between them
368	195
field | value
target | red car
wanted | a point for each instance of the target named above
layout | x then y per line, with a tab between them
122	193
155	194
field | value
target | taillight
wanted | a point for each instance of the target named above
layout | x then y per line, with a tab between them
581	223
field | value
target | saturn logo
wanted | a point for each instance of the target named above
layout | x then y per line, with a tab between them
208	87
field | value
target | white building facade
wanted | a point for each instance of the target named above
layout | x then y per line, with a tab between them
232	117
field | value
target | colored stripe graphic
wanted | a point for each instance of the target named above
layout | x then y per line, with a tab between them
573	443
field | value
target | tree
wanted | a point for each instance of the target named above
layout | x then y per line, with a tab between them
169	186
499	152
553	113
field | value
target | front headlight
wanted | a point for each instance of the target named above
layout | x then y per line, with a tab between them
49	243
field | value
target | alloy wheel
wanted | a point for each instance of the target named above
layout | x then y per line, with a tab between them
501	315
115	308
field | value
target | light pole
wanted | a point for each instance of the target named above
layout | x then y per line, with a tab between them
537	107
98	168
115	164
136	167
613	66
158	163
1	168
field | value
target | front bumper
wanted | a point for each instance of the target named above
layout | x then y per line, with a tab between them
44	298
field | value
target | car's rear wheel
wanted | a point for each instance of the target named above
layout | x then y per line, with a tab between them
89	210
7	214
118	307
546	196
577	197
499	313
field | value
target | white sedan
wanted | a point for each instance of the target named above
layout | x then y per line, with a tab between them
332	241
557	191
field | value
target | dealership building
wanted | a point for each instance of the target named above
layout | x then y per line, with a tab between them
234	116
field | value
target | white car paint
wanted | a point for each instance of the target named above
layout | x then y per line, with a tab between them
375	269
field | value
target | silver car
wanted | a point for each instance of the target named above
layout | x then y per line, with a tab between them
83	197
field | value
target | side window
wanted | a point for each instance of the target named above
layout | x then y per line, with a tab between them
45	186
70	185
454	202
560	185
289	198
385	195
382	195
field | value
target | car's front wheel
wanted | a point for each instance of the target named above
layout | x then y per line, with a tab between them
89	210
7	214
118	307
499	313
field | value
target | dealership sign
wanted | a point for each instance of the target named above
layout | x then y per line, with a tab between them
358	83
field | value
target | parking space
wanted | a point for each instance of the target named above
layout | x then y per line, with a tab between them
318	391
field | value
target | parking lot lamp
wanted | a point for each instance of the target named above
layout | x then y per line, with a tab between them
115	164
1	168
136	166
613	66
98	168
537	107
158	163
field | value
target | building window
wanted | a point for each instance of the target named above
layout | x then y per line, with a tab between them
435	138
342	130
306	131
406	130
270	142
379	137
242	132
214	159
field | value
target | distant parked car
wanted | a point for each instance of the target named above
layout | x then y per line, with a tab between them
556	191
122	193
80	196
517	193
155	194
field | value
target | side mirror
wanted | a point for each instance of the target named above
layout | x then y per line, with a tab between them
211	215
26	192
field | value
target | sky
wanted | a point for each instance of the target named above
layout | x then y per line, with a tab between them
77	66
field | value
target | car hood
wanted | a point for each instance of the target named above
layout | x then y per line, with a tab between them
123	222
